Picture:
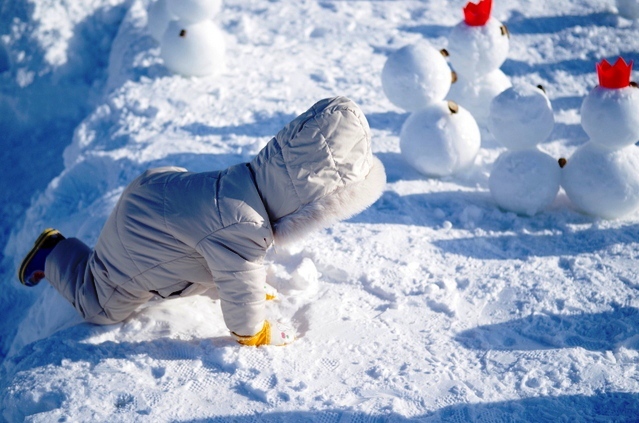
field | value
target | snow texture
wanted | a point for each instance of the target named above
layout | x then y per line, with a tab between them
432	305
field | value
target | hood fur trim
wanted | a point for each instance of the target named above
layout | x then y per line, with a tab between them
341	204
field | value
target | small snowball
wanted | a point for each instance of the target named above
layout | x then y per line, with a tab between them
194	10
305	276
438	142
521	117
193	49
524	181
477	94
158	19
477	50
416	75
603	182
610	117
628	8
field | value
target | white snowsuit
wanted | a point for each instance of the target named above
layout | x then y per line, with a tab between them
176	233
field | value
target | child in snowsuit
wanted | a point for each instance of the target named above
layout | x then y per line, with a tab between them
174	233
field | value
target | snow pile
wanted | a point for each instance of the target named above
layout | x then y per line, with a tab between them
433	305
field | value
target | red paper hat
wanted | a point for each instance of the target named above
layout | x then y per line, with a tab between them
477	14
614	76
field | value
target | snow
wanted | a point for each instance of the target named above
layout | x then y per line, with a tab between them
432	305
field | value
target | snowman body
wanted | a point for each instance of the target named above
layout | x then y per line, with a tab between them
601	178
439	138
524	180
477	48
191	44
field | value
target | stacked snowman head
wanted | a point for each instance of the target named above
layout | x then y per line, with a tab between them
629	9
439	138
191	44
602	176
524	179
478	46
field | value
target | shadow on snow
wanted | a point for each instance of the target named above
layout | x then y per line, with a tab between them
594	332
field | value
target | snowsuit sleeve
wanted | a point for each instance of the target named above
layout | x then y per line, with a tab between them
235	257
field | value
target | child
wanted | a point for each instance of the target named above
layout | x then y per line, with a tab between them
175	233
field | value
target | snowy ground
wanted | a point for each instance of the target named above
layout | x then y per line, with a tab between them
433	305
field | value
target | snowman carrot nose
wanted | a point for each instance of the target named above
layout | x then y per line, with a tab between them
504	31
444	52
453	107
183	33
562	162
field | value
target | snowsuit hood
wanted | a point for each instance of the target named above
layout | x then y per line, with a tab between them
318	169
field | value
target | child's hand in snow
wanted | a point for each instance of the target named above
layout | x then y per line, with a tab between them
275	333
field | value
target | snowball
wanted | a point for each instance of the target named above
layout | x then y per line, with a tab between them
305	276
437	141
603	182
521	117
194	10
193	49
610	117
628	8
477	50
524	181
416	75
476	95
158	19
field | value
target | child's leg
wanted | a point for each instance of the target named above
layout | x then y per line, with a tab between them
67	270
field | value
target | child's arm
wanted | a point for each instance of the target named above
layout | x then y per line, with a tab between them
235	257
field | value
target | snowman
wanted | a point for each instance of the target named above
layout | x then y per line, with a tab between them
191	44
524	179
477	47
602	176
439	138
629	9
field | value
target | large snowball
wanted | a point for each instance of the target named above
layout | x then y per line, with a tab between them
610	117
477	50
524	181
437	141
628	8
521	117
477	94
194	10
158	19
603	182
416	75
193	49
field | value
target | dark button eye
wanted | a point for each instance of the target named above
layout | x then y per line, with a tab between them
504	31
562	162
541	87
633	84
444	52
453	107
183	33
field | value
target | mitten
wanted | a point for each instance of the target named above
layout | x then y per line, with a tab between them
271	334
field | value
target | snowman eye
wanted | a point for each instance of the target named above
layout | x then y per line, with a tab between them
453	107
541	87
633	84
562	162
504	31
183	33
453	76
444	52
